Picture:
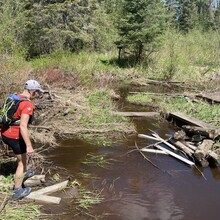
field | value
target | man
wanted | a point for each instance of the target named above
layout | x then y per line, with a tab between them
17	137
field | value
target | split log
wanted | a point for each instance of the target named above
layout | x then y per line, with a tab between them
183	147
175	155
40	196
202	152
208	133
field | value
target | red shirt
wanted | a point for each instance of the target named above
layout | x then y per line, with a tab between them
25	107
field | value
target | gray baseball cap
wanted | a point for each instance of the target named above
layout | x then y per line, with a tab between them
33	85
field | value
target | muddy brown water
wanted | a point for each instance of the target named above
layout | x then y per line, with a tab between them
131	187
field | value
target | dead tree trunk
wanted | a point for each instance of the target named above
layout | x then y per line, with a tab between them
202	152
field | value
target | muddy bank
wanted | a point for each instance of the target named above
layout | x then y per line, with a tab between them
68	113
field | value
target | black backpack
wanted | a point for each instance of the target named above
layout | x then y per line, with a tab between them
9	108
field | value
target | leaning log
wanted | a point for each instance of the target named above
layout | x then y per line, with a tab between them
207	132
184	148
202	152
175	155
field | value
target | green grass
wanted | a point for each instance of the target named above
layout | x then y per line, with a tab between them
28	211
199	110
98	161
101	107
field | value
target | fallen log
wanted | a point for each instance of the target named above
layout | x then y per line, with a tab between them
207	132
190	120
202	152
191	146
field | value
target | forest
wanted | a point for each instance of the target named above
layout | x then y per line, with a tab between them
34	28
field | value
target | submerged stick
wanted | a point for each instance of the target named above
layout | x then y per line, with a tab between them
146	157
153	151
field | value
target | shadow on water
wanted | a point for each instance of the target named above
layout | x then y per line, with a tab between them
133	189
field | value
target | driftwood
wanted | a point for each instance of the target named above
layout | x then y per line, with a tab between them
40	196
202	152
208	133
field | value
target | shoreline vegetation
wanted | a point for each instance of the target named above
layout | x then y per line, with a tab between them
82	52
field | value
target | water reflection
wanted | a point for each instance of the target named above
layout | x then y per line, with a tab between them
155	202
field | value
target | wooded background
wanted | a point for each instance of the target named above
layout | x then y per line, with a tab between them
135	27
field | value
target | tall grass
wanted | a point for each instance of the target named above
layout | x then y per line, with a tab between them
186	57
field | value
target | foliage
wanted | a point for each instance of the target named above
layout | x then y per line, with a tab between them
101	106
202	111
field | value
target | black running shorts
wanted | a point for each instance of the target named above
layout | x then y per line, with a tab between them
17	145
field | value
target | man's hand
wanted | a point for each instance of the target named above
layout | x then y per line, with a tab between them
30	150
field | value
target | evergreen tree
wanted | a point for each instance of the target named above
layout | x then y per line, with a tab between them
187	15
139	25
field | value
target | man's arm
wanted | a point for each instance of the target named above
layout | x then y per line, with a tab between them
25	133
